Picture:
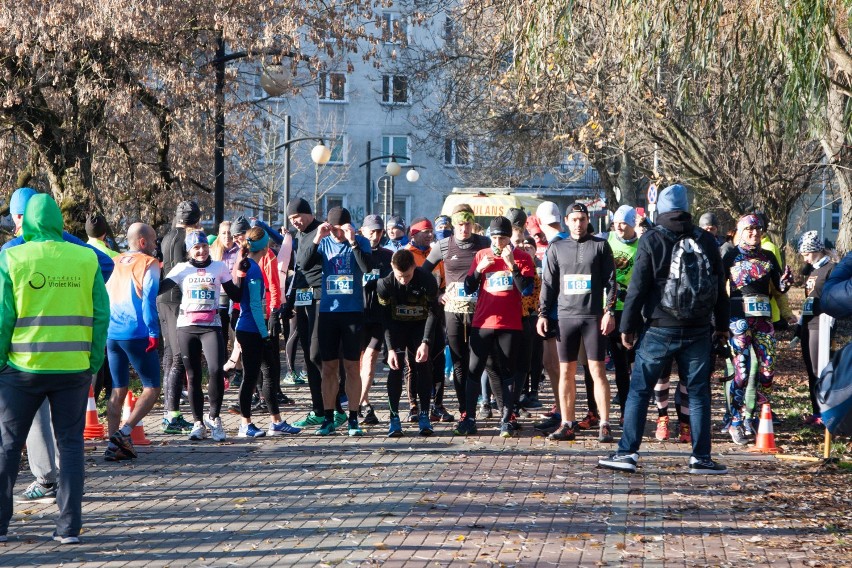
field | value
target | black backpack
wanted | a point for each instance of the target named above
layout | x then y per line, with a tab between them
691	288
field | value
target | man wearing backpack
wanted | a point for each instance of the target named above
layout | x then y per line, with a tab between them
676	290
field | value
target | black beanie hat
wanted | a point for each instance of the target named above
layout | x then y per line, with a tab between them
501	227
240	226
338	216
298	206
96	225
516	216
188	213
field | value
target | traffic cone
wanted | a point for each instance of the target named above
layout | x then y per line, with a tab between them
765	442
94	430
137	435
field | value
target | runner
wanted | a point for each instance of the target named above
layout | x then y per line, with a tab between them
345	256
374	331
457	253
199	329
408	298
134	328
574	276
499	275
305	296
252	332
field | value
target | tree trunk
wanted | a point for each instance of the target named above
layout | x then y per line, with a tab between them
839	157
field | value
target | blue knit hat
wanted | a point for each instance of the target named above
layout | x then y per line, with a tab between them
625	214
672	198
195	238
18	202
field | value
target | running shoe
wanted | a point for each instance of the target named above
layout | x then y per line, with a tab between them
39	493
589	422
312	419
340	419
506	430
370	417
605	434
565	433
813	419
258	405
284	400
748	428
533	401
523	400
123	442
217	431
199	432
176	425
662	433
281	428
413	415
738	435
235	409
354	429
484	411
440	414
685	435
250	431
66	539
326	428
303	377
114	454
425	425
553	410
620	462
466	427
395	428
548	424
292	379
706	466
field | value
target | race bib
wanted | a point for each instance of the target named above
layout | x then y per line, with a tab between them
457	293
304	297
808	307
341	284
201	297
409	312
757	306
372	275
500	281
576	284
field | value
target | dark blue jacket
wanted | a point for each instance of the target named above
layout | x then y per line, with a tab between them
836	296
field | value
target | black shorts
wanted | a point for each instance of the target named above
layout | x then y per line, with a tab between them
552	329
373	336
340	335
572	330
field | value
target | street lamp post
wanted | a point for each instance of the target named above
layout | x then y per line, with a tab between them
320	155
393	169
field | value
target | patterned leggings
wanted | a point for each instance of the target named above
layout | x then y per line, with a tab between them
751	337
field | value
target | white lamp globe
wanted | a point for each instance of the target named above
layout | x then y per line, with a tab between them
412	175
320	154
393	169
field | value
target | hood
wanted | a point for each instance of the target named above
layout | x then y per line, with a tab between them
676	221
42	219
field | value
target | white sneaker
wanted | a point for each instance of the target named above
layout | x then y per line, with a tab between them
199	432
217	431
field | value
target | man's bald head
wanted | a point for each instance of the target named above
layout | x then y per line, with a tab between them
141	237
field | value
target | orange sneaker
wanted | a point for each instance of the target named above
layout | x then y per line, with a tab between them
685	434
662	428
589	422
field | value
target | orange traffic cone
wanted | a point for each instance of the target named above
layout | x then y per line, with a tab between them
765	442
137	435
94	429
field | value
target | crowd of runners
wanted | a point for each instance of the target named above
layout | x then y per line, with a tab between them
440	301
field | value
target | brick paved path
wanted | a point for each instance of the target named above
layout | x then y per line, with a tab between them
440	501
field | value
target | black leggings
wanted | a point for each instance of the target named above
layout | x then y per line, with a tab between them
173	369
621	359
252	347
102	381
292	342
502	346
193	340
405	340
308	330
270	366
225	317
458	333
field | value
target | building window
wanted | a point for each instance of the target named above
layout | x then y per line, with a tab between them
332	87
332	201
337	144
393	29
394	89
456	152
835	215
396	145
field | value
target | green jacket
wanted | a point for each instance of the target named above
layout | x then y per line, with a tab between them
101	246
54	309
